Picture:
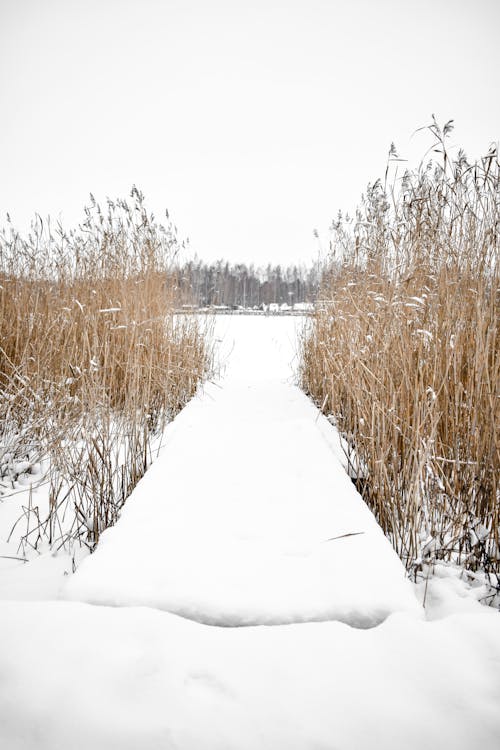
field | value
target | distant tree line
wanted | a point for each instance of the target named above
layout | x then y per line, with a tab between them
240	285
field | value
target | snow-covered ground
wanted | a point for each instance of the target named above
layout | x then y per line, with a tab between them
246	518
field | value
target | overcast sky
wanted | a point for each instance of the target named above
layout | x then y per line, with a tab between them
252	122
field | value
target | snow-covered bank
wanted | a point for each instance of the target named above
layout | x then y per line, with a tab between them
248	516
80	677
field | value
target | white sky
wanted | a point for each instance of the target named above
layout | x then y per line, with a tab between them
252	122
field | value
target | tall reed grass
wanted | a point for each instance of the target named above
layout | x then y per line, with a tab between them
404	355
93	361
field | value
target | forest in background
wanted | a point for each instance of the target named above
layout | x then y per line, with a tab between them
239	285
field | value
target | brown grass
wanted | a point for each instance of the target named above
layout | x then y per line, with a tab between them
404	354
93	362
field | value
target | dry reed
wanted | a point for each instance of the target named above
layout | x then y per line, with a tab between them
404	355
93	361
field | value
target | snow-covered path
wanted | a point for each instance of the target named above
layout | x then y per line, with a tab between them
248	516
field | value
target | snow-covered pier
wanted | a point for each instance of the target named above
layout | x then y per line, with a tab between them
248	516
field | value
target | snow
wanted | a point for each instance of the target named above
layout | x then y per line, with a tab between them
230	526
29	568
41	578
77	676
248	516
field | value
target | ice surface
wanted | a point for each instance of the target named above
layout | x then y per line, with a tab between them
230	525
